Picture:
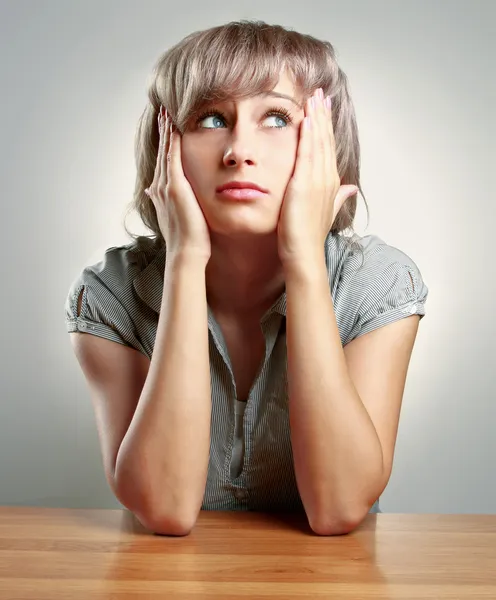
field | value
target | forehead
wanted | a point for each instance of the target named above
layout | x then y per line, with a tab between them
285	83
284	89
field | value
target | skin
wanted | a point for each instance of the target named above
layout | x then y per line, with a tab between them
343	399
244	275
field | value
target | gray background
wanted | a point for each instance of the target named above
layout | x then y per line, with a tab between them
73	78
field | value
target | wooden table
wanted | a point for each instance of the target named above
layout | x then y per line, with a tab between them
85	554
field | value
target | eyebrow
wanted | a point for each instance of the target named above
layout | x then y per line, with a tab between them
285	96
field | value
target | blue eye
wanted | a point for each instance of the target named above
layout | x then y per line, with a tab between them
280	112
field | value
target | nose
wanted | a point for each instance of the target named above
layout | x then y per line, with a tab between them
236	155
241	147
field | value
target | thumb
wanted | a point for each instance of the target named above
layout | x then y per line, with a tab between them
344	192
349	190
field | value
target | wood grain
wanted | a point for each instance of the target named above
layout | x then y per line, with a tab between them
73	554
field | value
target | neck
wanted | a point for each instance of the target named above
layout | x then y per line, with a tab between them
244	276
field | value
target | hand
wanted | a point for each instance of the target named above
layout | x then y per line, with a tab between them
180	217
314	195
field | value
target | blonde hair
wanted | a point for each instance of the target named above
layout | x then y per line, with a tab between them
237	60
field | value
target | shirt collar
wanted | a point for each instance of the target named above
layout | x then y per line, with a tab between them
149	284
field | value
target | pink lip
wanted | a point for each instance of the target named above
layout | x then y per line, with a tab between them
238	194
235	184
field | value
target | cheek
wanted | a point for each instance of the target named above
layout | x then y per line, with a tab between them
191	160
282	159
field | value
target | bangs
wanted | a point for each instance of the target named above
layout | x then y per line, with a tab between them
237	61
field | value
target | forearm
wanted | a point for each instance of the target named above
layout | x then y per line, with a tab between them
337	453
163	459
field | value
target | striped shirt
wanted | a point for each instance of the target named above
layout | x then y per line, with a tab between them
251	462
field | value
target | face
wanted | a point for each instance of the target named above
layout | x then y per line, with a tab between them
247	140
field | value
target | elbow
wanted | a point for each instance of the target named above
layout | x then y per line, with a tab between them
166	524
332	524
332	527
168	520
328	520
159	521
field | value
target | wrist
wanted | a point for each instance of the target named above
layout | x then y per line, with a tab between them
305	268
186	261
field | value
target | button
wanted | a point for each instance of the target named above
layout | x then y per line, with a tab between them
241	494
82	325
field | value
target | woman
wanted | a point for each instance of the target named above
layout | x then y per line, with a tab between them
248	356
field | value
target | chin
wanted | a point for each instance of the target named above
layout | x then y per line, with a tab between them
239	227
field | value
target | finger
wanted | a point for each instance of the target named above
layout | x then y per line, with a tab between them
174	163
150	190
154	185
158	166
318	150
323	143
166	146
164	151
305	142
333	177
331	131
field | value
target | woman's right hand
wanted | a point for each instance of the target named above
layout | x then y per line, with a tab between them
179	215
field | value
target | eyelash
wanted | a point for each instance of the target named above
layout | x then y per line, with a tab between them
278	111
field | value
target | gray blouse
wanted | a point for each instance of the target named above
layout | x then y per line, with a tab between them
251	463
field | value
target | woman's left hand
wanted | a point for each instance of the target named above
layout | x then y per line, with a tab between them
314	195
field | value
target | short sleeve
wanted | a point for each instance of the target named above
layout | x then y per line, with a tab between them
387	287
102	312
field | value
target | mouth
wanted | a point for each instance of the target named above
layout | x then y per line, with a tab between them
245	185
240	194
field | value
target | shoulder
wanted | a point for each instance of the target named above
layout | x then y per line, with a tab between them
118	266
373	283
109	294
122	263
362	257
